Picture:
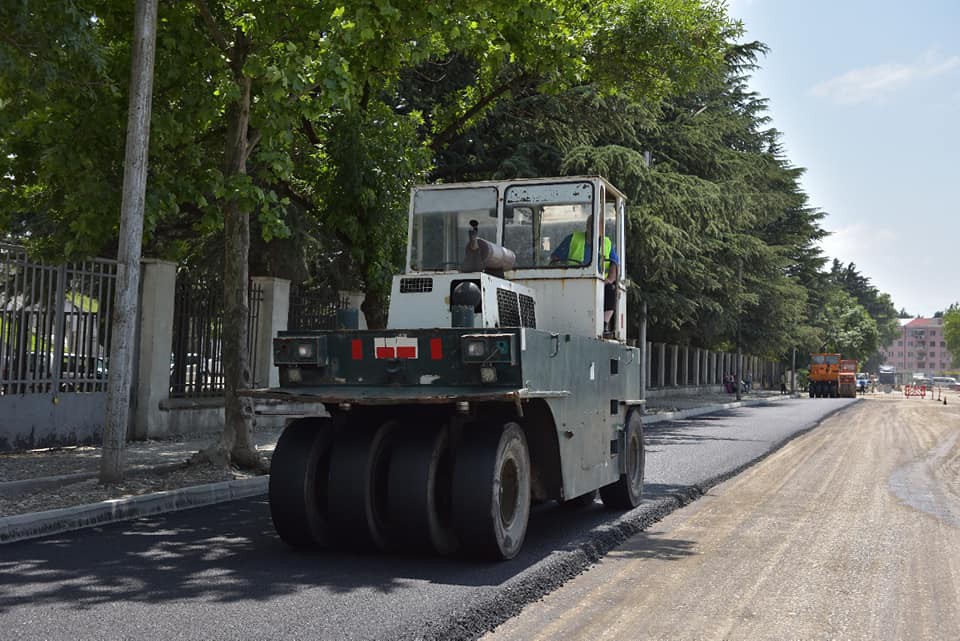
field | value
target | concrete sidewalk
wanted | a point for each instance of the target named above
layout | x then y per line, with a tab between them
44	471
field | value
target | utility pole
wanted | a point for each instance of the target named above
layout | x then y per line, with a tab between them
793	374
739	312
123	331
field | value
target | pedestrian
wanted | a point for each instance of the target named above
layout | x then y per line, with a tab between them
783	383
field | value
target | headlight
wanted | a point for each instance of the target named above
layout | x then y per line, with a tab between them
305	350
476	349
488	348
300	351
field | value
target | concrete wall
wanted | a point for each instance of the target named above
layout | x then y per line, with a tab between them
29	421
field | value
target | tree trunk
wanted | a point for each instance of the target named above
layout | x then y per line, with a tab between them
236	442
374	308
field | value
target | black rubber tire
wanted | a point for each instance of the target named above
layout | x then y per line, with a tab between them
419	504
357	500
491	491
581	502
627	492
298	482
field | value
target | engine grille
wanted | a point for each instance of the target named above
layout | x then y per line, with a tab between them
515	310
416	285
508	308
528	315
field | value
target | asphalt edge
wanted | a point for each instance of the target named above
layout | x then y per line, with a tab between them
33	525
553	571
679	415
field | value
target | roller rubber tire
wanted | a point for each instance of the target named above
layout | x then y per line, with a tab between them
298	482
419	504
491	491
356	502
627	491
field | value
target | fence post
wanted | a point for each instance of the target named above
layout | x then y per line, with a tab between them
274	314
159	285
675	349
662	365
355	301
695	377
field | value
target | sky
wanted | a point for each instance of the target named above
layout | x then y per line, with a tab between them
867	97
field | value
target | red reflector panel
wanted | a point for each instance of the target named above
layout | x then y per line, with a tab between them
356	346
436	349
395	347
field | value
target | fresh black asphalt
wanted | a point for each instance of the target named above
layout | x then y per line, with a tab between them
220	572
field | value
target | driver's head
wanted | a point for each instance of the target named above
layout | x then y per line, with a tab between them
589	228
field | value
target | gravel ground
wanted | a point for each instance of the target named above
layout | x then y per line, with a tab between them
848	532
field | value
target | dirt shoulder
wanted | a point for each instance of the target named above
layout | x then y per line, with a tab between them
848	532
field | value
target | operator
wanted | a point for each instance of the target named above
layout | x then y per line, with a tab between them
577	250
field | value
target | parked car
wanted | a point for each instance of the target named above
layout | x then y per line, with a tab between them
946	382
82	373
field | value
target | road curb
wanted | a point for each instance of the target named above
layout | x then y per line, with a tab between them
22	527
707	409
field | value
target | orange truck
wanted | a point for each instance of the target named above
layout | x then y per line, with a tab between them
832	376
847	381
824	375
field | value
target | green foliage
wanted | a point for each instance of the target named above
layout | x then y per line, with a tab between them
350	103
847	327
876	304
951	332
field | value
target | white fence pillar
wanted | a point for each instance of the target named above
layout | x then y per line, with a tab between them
159	282
273	317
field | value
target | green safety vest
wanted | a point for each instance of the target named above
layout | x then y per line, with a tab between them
578	245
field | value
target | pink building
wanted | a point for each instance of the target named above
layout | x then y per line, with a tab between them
920	348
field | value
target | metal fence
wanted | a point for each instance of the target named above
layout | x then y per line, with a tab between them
54	324
315	308
196	359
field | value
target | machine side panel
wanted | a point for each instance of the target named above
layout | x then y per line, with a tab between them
569	304
600	377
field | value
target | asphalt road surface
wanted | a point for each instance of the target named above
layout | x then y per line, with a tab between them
222	573
851	531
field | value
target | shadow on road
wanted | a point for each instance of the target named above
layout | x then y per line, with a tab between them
230	553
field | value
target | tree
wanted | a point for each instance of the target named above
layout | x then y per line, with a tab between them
951	332
278	113
847	327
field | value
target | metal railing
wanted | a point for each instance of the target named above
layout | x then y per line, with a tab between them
314	308
196	359
54	323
